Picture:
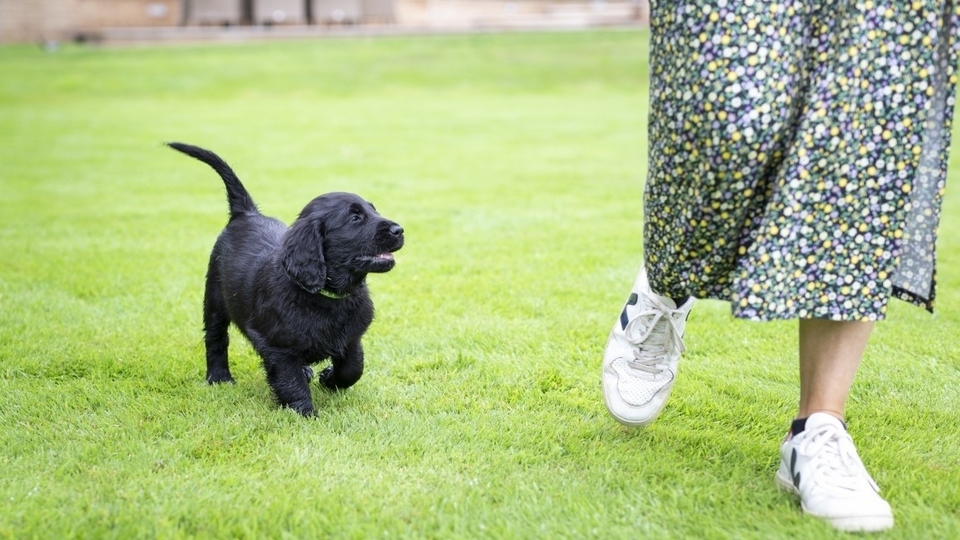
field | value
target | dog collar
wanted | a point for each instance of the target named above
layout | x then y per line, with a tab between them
333	295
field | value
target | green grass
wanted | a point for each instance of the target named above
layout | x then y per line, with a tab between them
515	164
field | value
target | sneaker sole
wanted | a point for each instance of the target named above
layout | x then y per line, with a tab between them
629	422
846	524
859	523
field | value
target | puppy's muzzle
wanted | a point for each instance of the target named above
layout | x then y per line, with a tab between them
390	241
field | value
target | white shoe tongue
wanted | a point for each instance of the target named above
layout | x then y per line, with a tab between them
667	301
820	419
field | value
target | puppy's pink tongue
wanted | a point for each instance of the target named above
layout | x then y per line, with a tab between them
388	256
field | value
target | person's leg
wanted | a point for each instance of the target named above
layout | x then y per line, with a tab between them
830	353
818	460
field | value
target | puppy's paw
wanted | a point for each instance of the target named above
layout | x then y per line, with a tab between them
217	377
303	408
326	378
335	380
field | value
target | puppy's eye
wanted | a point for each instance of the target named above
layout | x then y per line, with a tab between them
356	218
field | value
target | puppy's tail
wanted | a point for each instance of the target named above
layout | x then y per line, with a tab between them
237	195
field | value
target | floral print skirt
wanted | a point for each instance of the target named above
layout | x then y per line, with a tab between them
798	152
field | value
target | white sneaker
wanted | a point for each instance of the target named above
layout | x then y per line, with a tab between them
640	360
821	465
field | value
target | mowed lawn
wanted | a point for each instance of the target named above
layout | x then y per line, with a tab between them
515	163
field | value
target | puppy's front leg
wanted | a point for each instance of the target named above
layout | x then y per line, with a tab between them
344	370
289	382
285	374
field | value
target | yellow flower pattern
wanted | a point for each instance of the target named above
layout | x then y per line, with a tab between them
798	152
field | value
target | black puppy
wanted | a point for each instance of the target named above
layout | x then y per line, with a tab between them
299	294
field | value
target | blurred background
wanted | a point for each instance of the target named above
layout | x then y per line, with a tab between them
53	21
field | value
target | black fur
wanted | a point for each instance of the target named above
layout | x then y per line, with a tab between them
299	294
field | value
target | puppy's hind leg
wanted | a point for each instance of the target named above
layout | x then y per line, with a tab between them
216	322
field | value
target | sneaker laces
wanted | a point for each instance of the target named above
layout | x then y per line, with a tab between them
836	460
654	347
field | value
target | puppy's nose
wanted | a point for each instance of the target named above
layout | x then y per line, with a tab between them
396	229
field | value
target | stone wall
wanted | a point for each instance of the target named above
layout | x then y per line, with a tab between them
60	20
56	20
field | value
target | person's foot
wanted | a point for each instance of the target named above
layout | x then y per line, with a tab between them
821	465
640	360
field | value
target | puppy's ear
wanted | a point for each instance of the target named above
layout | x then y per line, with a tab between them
303	255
